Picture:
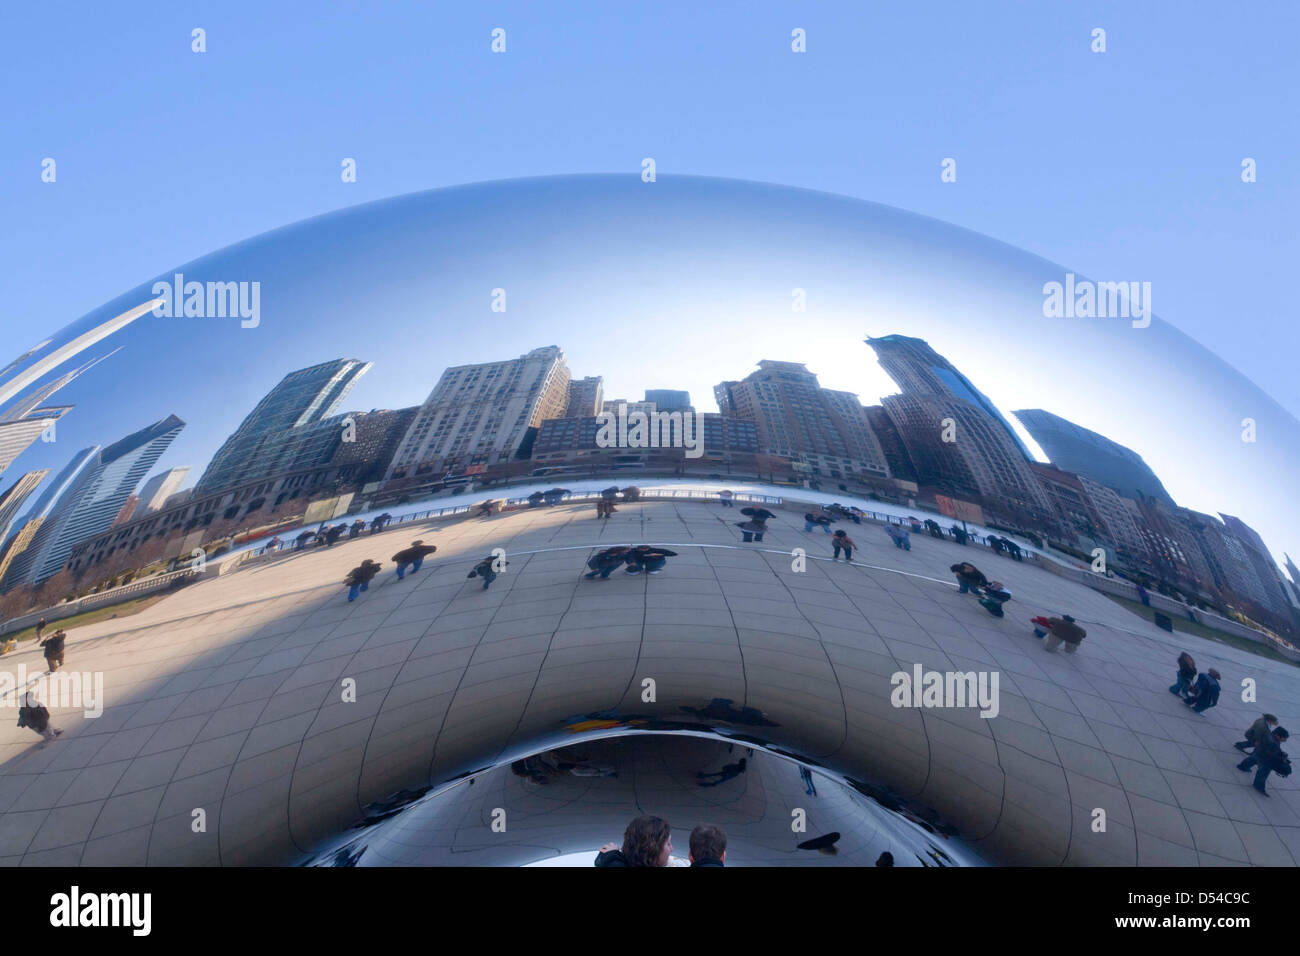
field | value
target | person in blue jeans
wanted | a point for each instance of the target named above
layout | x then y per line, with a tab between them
359	578
811	521
1205	692
487	569
1182	687
412	557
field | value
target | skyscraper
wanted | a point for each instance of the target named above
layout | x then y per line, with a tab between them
956	438
14	496
1075	448
1266	569
918	369
97	494
159	488
585	396
669	399
481	415
302	399
825	430
21	552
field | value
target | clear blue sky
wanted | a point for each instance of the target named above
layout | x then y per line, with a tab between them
1122	165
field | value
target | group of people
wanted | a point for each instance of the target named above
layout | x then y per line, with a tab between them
1199	692
1055	632
412	557
1005	546
648	842
647	558
1263	746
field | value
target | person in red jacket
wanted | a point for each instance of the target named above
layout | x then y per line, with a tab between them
840	541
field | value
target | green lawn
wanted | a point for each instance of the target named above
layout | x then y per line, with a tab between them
1183	626
125	609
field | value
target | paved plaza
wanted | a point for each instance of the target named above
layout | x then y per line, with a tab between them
228	696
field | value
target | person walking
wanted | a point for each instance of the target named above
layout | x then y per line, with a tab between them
603	563
36	717
900	536
412	557
359	578
358	526
53	646
40	628
648	558
969	578
1058	631
1182	685
1255	732
724	497
840	541
488	569
333	534
1205	692
756	526
823	521
535	499
1268	758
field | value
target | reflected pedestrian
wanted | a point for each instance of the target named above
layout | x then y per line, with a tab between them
53	646
359	578
603	563
1182	685
648	558
1268	757
36	717
1205	692
412	557
488	569
1255	732
840	541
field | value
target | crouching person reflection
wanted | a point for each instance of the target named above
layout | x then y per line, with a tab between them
487	569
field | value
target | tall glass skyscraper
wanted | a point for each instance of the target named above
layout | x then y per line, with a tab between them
302	399
97	494
1074	448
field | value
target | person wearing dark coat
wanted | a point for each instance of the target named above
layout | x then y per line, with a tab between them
1182	687
1268	758
823	521
969	578
995	595
413	556
1059	631
648	558
53	646
333	534
359	578
34	716
1205	692
535	499
358	526
40	628
933	527
554	496
756	526
708	845
1255	732
487	569
604	562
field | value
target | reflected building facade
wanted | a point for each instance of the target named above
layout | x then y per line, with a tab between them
482	415
983	458
1075	448
291	421
825	431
